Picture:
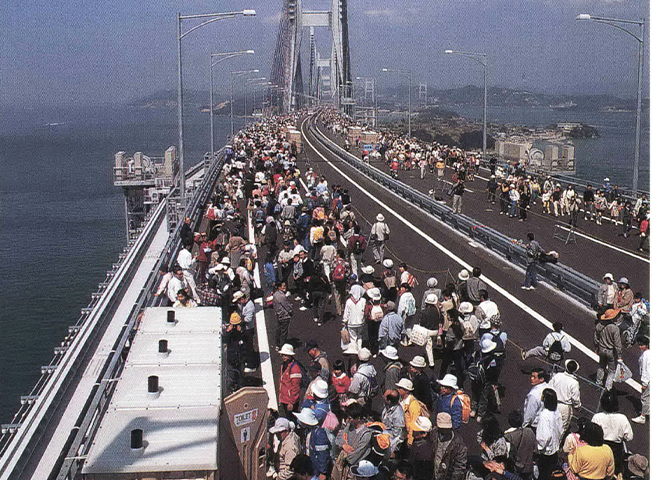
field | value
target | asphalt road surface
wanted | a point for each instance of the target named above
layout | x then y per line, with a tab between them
431	248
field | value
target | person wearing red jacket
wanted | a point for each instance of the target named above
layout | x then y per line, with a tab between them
206	247
289	390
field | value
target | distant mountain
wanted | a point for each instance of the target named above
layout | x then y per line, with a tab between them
168	98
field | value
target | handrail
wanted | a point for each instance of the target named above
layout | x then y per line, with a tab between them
561	276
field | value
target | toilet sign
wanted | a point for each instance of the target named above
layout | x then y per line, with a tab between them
245	435
245	418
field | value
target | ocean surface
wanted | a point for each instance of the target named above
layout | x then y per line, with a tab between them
611	155
62	220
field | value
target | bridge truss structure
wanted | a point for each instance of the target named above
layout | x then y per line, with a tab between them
329	79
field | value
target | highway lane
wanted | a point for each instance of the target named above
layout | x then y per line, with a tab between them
612	253
411	247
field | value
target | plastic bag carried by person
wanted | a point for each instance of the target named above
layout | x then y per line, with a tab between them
623	373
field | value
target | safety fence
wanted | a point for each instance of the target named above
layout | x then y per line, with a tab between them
560	276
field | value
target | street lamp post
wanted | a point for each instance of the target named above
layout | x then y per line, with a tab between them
406	74
206	19
481	58
233	75
215	59
248	82
640	38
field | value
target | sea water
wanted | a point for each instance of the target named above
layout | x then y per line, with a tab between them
62	221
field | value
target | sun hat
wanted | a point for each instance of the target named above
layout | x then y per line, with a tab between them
364	354
466	307
286	223
380	217
368	269
610	314
463	275
307	417
388	263
444	420
374	293
567	362
405	384
281	424
623	280
432	282
449	381
320	388
226	261
235	319
237	296
609	276
365	469
422	424
431	299
637	464
287	349
418	362
389	352
487	345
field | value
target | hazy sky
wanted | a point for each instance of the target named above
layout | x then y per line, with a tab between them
81	52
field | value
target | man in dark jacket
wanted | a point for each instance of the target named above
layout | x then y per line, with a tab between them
450	453
532	252
608	346
523	444
283	310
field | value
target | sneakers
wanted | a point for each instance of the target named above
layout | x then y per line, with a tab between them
640	419
316	320
523	287
303	308
249	370
472	413
297	298
478	419
523	354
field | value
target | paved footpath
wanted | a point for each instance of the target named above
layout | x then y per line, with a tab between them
429	246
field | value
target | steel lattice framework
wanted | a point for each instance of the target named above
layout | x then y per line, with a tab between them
329	79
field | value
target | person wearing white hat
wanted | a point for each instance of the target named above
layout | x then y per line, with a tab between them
431	287
568	391
430	318
289	448
374	314
353	319
407	309
606	293
290	381
390	281
420	380
624	296
448	400
364	384
393	367
319	445
379	236
420	454
411	406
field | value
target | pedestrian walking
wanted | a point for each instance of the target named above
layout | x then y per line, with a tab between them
284	311
532	253
644	363
608	346
378	237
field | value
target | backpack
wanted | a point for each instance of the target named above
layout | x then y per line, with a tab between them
476	371
259	215
423	409
500	345
332	235
305	377
318	235
466	405
339	272
556	351
411	280
358	246
376	314
373	388
277	209
380	441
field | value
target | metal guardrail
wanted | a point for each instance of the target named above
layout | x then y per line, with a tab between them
82	435
564	278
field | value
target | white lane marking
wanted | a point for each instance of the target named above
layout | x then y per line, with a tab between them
536	315
263	341
613	247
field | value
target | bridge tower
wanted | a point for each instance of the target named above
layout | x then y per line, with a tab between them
287	75
423	93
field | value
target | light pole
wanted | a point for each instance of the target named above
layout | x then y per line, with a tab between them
248	82
215	59
206	19
260	82
640	38
233	75
406	74
481	58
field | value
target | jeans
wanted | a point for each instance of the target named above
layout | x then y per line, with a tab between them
457	203
531	276
282	328
608	363
378	250
512	208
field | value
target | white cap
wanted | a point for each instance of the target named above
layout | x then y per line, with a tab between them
487	345
418	362
238	295
374	293
226	261
389	352
282	424
449	380
364	469
364	354
287	349
609	276
431	299
307	417
432	282
466	307
388	263
422	424
368	269
405	384
320	388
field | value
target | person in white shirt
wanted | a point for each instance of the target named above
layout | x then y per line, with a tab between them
176	283
644	369
549	432
485	312
616	427
555	345
187	263
568	391
533	403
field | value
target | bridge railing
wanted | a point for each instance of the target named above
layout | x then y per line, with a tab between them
71	461
561	276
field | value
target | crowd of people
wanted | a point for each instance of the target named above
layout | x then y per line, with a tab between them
516	189
367	411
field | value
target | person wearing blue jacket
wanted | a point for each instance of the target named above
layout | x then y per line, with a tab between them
448	402
316	443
